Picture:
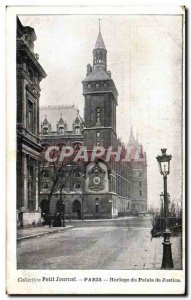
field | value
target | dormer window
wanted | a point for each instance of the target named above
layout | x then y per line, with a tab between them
61	126
45	127
45	131
61	130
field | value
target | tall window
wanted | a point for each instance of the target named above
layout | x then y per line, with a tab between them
45	130
97	115
97	206
31	164
140	188
30	116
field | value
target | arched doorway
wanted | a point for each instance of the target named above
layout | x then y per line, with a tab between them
76	208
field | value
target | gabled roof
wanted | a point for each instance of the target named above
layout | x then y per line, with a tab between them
68	114
45	122
61	121
97	74
99	43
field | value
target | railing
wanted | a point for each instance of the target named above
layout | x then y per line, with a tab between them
158	222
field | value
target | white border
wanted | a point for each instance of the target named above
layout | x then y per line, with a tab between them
12	273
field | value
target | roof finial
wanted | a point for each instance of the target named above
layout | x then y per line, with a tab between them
137	138
99	25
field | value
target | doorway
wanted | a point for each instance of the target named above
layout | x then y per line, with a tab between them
77	209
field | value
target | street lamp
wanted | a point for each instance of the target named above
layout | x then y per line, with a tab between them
164	167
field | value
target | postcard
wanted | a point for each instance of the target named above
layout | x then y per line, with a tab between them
96	150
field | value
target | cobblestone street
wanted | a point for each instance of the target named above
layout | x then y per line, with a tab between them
108	244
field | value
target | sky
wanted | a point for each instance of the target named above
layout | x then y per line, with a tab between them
144	55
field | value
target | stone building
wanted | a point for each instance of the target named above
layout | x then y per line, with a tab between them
99	188
29	75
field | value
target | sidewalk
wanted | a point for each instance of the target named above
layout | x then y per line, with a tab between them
155	253
29	233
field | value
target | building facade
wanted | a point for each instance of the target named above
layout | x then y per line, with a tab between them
100	188
29	75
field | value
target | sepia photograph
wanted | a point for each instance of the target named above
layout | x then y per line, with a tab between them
99	150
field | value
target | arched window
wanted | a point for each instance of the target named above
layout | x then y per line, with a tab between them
98	134
61	130
76	146
45	130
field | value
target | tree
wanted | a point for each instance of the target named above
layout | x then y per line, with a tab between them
59	174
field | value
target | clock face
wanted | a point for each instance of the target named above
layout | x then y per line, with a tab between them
96	180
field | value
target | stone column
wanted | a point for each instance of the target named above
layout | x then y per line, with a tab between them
25	181
37	185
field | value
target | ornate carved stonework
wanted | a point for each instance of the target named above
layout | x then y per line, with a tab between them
32	90
96	178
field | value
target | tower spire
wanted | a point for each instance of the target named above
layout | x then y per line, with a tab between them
100	52
132	140
99	25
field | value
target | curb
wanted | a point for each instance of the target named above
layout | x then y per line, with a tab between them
43	233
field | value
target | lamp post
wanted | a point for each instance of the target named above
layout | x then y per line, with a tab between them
164	167
162	204
83	191
162	212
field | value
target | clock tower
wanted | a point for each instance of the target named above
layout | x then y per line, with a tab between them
100	96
